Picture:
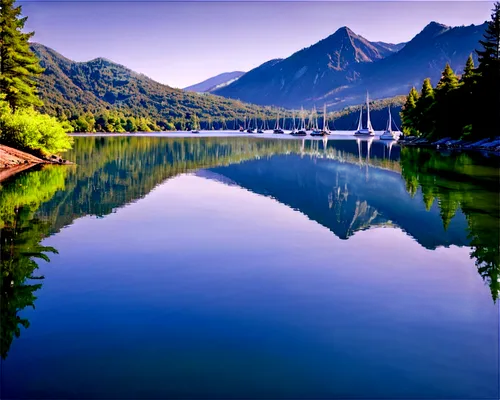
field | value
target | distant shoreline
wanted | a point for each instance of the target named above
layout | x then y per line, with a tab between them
341	135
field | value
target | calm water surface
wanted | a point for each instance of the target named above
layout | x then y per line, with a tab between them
251	268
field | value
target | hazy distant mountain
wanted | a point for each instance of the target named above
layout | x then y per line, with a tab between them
215	82
101	84
339	69
332	63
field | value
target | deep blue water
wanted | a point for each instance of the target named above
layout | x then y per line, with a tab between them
259	272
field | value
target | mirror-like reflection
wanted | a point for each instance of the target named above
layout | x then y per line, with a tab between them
21	233
346	186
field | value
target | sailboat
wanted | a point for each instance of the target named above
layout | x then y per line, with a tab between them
368	131
261	129
323	132
388	134
302	129
250	129
294	129
277	128
314	125
326	128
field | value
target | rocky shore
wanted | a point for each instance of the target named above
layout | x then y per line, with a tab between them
490	145
13	161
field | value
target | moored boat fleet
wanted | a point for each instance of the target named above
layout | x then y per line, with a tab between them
297	126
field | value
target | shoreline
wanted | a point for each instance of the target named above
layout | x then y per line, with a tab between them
14	161
485	147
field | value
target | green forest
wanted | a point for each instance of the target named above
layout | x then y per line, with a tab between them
22	126
465	107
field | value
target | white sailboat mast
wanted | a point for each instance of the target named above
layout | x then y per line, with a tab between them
324	118
389	122
368	123
360	123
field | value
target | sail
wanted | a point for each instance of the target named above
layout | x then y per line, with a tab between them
389	121
324	118
360	123
368	123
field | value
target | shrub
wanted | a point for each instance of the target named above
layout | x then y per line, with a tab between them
29	130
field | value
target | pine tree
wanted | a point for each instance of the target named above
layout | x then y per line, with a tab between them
489	57
408	113
447	123
466	97
18	65
448	81
424	111
469	72
487	95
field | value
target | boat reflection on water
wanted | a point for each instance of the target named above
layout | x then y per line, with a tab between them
344	186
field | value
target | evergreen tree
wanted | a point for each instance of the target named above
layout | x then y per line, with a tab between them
489	57
408	113
487	95
424	110
446	106
18	65
468	70
448	81
466	97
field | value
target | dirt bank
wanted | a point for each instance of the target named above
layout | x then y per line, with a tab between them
13	161
10	157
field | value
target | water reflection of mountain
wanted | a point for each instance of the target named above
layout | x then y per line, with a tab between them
346	197
114	171
344	185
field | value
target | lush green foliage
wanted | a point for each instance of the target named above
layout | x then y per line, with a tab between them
74	91
21	233
461	183
460	108
101	96
20	125
18	64
27	129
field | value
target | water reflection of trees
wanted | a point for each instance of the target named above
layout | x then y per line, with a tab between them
112	172
465	183
21	233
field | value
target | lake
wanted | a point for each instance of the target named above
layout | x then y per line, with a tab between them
247	267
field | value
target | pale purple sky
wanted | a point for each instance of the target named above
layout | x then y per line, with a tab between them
182	43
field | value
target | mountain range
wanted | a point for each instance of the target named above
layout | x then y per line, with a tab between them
340	69
215	82
337	70
75	88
